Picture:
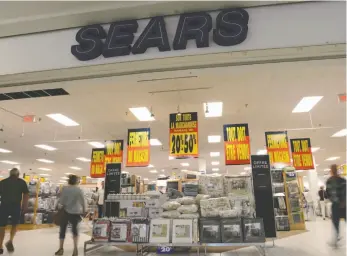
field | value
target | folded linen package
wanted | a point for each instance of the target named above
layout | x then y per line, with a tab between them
211	185
213	206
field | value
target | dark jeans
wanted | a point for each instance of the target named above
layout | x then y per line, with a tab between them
100	211
74	219
336	214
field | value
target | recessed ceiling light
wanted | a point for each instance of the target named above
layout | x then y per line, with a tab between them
68	173
145	178
317	165
262	152
44	169
214	154
213	138
340	133
185	164
333	158
45	147
150	166
142	114
64	178
96	144
2	150
8	162
247	168
306	104
171	158
45	175
315	149
153	171
213	109
214	163
215	169
64	120
162	175
155	142
75	168
83	159
45	161
184	170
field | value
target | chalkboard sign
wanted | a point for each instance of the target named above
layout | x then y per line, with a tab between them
112	186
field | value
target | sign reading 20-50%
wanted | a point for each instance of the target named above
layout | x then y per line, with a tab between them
184	135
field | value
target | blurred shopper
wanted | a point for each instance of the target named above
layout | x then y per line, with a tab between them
322	200
101	193
336	193
14	200
95	198
73	203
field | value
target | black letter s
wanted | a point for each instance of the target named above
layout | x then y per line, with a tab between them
232	27
90	44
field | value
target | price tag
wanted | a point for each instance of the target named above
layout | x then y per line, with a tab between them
165	250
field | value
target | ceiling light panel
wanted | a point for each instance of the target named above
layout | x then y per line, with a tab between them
315	149
341	133
214	154
64	120
45	161
171	158
45	175
333	158
142	114
215	169
45	147
214	138
185	164
306	104
153	171
75	168
2	150
150	166
8	162
44	169
155	142
214	163
262	152
213	109
83	159
96	144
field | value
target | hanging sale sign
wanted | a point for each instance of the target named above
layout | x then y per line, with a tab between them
302	154
114	152
138	151
184	135
236	144
97	169
277	147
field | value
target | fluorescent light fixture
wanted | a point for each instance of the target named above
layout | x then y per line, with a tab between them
262	152
145	178
162	170
150	166
155	142
213	109
247	168
333	158
45	161
44	169
64	178
96	144
213	138
45	175
171	158
315	149
45	147
340	133
68	173
214	154
317	165
142	114
214	163
64	120
2	150
75	168
153	171
215	169
185	164
162	175
306	104
8	162
243	173
83	159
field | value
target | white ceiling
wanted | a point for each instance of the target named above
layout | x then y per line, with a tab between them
261	95
17	18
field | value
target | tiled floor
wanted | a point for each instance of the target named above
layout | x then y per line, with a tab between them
313	243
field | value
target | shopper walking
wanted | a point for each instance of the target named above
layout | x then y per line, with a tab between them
73	203
336	193
322	200
14	200
101	193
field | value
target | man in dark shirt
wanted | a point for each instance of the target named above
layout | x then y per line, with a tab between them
14	199
336	192
322	196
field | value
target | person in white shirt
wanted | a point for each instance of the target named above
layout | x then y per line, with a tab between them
101	193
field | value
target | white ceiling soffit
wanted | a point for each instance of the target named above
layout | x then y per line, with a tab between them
17	18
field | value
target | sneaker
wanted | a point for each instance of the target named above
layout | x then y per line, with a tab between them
9	246
59	252
1	251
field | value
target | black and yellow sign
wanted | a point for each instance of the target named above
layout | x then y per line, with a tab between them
97	169
278	147
114	152
302	154
237	148
184	135
138	151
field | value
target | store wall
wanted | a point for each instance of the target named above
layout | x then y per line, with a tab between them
294	25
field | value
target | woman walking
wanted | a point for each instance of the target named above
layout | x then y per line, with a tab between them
73	203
